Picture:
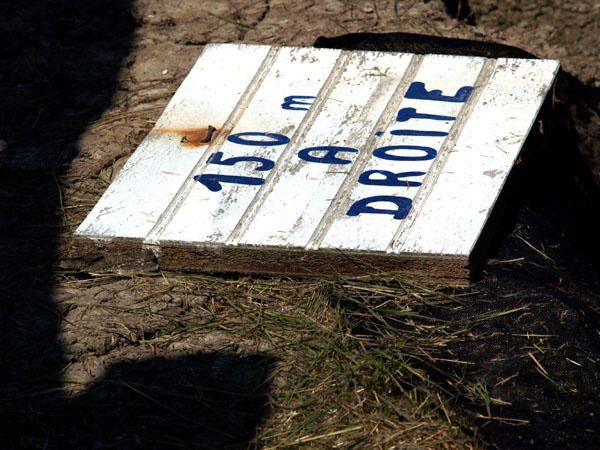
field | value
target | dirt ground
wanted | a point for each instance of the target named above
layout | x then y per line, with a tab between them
167	360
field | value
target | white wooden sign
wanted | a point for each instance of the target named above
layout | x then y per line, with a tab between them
312	161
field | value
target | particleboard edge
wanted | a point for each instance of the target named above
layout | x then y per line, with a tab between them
120	254
86	253
293	261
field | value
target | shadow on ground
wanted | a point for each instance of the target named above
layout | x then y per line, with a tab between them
60	63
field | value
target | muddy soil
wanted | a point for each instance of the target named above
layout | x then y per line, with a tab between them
93	360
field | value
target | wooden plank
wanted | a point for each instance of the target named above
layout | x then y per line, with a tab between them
152	176
313	161
453	215
354	107
215	209
409	139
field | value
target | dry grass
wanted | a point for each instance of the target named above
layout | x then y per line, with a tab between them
361	363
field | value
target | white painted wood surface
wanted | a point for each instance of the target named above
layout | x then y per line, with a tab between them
471	179
376	231
156	171
468	124
346	118
216	214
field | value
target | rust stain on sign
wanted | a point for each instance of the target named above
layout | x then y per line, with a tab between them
192	137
